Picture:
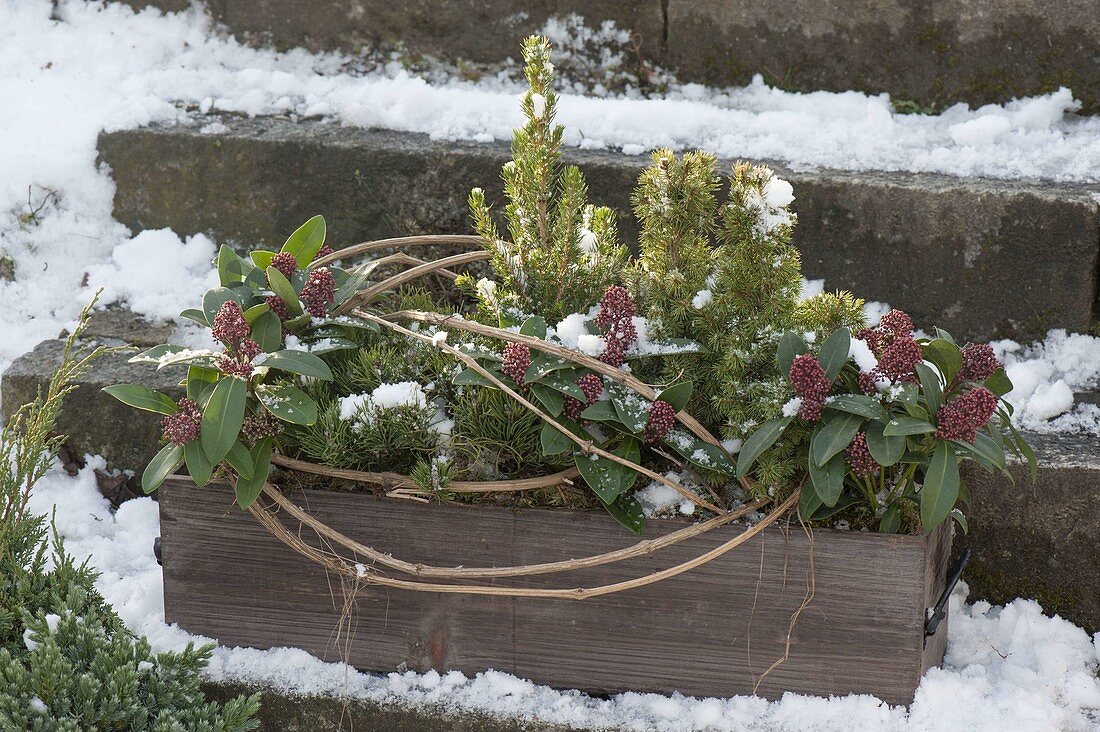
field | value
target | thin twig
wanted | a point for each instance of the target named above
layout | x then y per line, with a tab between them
580	593
422	570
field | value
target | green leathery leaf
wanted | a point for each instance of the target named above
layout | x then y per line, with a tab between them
930	384
222	417
891	519
553	440
306	241
196	315
213	300
828	479
945	355
632	408
198	465
860	404
297	362
834	352
601	411
676	395
998	382
833	435
142	397
941	486
627	511
288	403
163	464
791	345
534	326
281	286
885	449
249	488
268	331
602	475
230	271
262	257
552	399
240	459
200	383
759	441
901	424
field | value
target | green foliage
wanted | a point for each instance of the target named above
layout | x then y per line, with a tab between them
914	479
234	385
67	663
563	252
84	673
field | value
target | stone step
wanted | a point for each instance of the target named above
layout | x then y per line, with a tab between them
930	53
1029	540
981	258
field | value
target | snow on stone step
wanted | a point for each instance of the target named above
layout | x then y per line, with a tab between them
933	55
982	258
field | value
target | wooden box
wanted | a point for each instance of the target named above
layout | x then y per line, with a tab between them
712	631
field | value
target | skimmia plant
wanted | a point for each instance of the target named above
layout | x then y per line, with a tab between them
272	316
890	417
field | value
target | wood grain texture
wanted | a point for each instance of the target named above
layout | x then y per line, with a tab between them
709	632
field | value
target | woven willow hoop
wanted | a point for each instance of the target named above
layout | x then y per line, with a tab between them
403	485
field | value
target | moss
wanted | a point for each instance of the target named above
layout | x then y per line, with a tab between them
998	587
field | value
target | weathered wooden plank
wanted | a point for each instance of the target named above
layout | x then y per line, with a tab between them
709	632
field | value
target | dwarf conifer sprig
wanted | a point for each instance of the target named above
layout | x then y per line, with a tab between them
676	207
563	252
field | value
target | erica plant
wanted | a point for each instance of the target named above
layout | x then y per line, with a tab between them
889	417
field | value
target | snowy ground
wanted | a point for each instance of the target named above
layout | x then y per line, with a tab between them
1009	668
106	68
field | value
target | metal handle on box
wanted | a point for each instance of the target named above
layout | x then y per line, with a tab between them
938	612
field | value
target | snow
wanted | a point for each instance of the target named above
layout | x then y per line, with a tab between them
74	79
702	299
384	396
860	352
572	331
1008	667
1045	376
791	408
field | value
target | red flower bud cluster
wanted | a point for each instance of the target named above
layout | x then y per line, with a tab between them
248	350
616	316
867	383
229	324
859	456
810	384
278	307
517	359
183	426
662	418
319	292
233	367
962	417
285	263
899	360
324	251
897	352
258	426
592	387
979	362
